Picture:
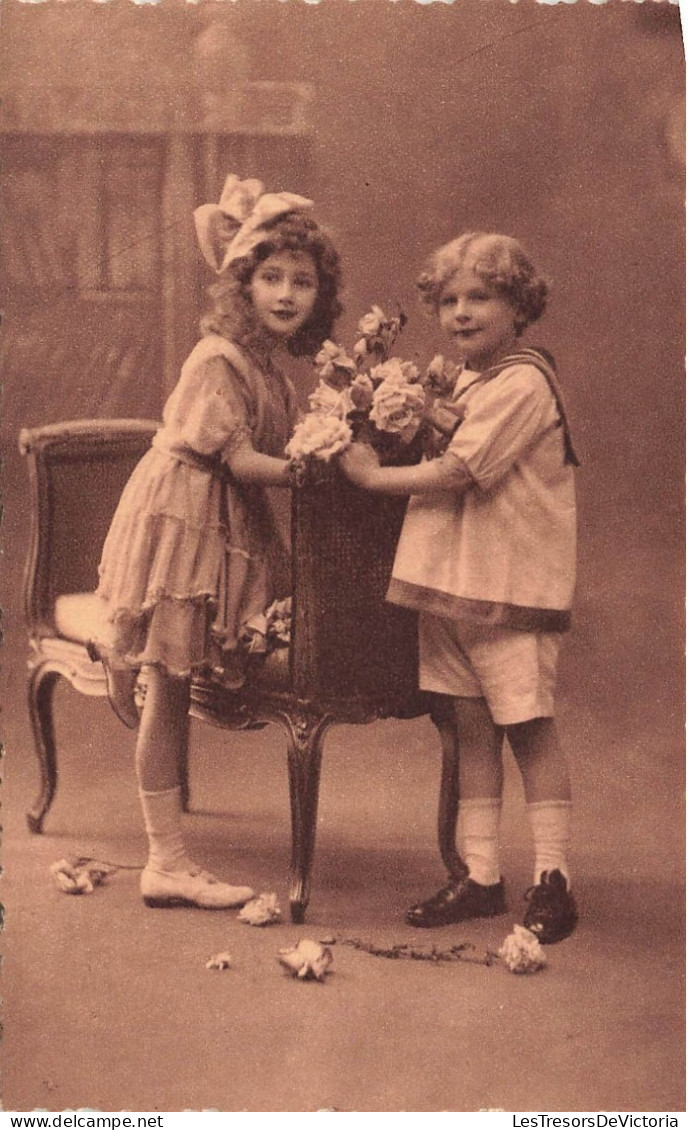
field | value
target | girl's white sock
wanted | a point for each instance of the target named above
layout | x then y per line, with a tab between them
479	838
162	818
550	821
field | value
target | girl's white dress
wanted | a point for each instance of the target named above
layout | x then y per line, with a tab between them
192	554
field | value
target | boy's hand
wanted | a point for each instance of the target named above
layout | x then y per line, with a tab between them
359	462
446	416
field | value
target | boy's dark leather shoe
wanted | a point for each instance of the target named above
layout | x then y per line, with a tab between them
551	913
457	902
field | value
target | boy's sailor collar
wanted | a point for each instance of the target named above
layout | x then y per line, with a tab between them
542	360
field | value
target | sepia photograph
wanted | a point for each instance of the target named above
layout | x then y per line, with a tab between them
343	353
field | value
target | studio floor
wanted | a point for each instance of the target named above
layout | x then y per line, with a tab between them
109	1005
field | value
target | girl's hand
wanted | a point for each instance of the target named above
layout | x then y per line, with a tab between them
359	463
250	466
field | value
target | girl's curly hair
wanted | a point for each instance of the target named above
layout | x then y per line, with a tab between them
233	314
500	261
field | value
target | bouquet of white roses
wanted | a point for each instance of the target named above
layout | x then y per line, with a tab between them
369	396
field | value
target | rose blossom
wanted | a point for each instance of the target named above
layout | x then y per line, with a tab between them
336	369
395	372
409	371
378	333
398	407
440	376
319	435
371	323
521	951
278	620
361	392
326	401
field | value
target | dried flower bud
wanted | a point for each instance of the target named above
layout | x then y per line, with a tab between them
80	876
219	961
262	911
361	393
398	404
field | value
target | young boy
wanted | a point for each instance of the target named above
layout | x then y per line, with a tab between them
487	557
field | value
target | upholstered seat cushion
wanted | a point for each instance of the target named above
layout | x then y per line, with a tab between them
79	617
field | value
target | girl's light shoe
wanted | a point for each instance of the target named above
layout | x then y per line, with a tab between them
191	888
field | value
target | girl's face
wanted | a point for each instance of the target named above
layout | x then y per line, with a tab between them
478	319
283	290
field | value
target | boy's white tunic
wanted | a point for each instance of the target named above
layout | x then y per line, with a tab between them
503	551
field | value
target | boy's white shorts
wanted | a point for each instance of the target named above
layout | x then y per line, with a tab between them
514	671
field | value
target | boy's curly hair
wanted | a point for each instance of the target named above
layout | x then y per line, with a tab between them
500	261
233	314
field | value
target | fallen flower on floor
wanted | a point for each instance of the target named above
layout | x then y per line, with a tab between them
262	911
307	960
80	876
521	952
219	961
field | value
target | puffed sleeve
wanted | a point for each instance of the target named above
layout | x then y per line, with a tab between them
210	412
503	419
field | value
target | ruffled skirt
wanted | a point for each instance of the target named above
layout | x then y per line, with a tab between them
186	563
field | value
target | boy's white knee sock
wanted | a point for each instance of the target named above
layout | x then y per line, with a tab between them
162	817
550	821
479	838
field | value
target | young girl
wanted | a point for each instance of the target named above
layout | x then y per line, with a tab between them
187	561
487	557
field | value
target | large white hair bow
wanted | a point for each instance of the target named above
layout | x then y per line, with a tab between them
232	228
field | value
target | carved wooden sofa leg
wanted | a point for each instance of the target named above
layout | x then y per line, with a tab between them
305	734
443	716
41	685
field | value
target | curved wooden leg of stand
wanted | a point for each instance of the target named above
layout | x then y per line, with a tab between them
444	719
42	681
305	734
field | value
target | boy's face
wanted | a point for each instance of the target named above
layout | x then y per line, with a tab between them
479	321
283	289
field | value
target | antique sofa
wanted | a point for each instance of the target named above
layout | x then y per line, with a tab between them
351	657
